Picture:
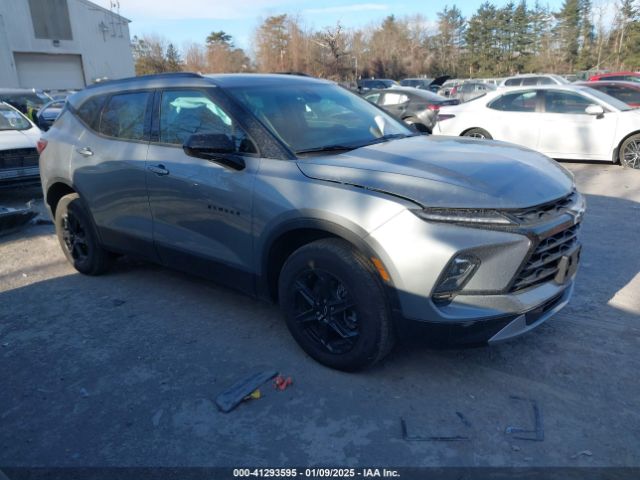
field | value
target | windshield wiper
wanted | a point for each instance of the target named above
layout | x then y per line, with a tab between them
328	148
394	136
346	148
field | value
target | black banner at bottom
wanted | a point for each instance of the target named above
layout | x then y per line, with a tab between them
315	473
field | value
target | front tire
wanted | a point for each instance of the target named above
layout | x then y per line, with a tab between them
78	238
478	133
335	306
629	154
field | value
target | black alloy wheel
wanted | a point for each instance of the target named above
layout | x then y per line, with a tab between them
335	305
326	311
75	237
78	238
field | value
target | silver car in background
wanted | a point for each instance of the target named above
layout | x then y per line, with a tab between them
297	191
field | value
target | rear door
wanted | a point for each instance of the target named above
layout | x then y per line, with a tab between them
201	209
513	117
395	103
108	165
567	131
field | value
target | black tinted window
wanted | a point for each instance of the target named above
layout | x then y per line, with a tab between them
123	116
562	102
184	113
627	95
512	82
89	111
516	102
545	81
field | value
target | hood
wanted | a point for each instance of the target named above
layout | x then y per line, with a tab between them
452	172
10	139
438	81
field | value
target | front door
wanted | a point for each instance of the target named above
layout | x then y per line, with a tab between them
567	131
202	211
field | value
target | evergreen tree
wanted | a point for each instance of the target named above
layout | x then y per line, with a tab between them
449	41
172	59
568	32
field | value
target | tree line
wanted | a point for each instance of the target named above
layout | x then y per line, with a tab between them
494	41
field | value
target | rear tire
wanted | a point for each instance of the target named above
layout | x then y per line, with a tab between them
629	153
335	306
78	238
479	133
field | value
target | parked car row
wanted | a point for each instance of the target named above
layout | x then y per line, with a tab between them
560	121
24	114
39	106
18	154
414	106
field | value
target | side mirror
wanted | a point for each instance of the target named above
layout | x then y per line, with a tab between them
594	109
216	147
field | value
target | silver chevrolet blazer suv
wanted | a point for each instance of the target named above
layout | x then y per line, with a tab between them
297	191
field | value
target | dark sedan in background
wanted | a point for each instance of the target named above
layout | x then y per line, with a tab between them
375	83
431	84
627	92
414	106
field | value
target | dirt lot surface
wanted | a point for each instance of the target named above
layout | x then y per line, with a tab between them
125	368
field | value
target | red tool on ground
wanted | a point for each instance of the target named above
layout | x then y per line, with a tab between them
282	383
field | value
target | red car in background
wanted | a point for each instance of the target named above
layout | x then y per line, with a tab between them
617	76
627	92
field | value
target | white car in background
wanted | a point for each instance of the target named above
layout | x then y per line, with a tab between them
18	140
561	121
533	79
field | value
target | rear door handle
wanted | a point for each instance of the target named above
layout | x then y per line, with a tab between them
85	151
158	169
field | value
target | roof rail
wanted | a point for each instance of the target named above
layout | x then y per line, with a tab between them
152	76
299	74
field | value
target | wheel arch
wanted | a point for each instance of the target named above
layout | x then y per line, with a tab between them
615	157
474	128
55	192
292	235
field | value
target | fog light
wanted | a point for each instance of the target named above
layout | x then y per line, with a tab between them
459	271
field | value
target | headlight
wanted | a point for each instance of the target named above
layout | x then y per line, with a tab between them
464	216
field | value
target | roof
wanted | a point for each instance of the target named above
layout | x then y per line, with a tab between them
191	79
622	83
418	92
259	79
106	10
615	74
17	90
529	75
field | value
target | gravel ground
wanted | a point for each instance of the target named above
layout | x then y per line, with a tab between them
124	369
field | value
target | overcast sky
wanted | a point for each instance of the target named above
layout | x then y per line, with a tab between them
192	20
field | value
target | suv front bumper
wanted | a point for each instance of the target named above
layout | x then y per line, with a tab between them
489	307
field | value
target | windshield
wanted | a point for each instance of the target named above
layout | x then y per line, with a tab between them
561	80
316	117
25	100
614	102
12	120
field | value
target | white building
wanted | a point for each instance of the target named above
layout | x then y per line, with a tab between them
61	44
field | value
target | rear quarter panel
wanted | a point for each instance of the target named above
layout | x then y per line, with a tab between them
56	158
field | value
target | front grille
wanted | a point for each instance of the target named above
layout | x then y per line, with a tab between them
542	265
548	210
18	158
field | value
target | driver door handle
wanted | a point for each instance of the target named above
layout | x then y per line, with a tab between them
158	169
85	151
